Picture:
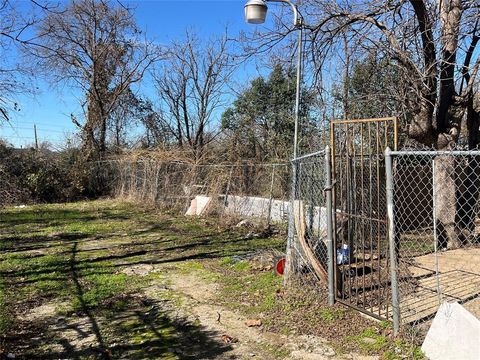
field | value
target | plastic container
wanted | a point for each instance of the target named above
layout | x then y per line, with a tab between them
343	255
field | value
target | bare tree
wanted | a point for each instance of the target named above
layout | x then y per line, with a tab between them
11	72
433	47
95	46
15	75
191	86
129	112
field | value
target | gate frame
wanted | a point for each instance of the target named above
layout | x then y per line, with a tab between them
333	125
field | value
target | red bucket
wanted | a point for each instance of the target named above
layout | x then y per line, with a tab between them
280	266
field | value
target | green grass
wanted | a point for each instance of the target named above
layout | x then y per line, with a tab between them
372	341
5	319
74	255
99	289
330	315
255	291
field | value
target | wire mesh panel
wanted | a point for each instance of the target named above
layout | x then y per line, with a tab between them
436	233
309	252
362	268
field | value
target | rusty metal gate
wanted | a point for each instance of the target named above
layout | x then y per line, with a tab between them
360	221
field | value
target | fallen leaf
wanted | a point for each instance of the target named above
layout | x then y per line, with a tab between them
227	339
253	322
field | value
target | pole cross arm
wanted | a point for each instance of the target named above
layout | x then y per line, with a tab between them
297	17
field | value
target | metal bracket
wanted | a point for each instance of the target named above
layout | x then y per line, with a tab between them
330	187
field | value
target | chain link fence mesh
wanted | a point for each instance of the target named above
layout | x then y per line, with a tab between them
243	190
308	257
436	236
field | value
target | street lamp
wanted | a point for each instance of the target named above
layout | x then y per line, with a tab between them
255	13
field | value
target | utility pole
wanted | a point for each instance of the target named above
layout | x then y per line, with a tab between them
36	138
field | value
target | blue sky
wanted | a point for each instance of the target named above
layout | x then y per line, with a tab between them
164	20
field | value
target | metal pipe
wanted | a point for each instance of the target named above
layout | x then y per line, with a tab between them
435	153
329	240
297	19
289	265
435	233
299	83
391	238
298	23
317	153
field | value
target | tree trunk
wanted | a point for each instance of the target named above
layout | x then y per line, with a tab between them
445	192
468	192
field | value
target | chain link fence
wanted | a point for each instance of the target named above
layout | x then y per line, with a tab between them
243	190
432	247
309	246
434	199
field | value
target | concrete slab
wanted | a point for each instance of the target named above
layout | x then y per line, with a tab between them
454	334
198	205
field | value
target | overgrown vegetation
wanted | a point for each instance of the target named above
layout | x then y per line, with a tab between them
41	175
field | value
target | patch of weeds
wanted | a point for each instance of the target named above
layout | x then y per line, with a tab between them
100	288
65	309
253	293
401	350
268	302
48	288
199	269
370	341
226	261
332	314
276	351
11	263
192	225
190	266
384	324
241	266
156	336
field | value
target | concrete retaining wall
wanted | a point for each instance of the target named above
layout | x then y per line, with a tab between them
257	207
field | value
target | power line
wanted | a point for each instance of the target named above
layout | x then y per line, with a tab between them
42	129
21	122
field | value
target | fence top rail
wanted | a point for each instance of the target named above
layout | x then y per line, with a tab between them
186	163
307	156
434	152
353	121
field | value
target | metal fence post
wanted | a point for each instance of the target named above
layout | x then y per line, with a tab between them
227	190
289	265
270	200
391	238
435	232
329	241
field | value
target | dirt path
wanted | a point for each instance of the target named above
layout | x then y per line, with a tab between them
104	280
198	301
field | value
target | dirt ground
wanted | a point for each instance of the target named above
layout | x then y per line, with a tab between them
230	337
248	342
110	280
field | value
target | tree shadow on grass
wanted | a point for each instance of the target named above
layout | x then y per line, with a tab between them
140	329
136	330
